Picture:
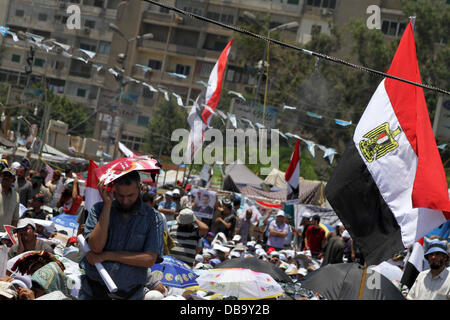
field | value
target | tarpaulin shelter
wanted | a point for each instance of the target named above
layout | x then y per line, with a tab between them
310	192
240	179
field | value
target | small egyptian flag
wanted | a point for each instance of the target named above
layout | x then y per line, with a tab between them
389	188
292	176
91	193
414	265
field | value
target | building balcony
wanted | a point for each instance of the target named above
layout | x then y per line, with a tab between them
261	5
101	58
176	81
153	45
161	18
39	3
210	55
96	34
153	75
183	50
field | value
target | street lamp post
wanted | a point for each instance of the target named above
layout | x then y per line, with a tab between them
123	57
286	26
265	59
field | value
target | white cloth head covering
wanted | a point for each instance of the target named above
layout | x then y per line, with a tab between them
153	295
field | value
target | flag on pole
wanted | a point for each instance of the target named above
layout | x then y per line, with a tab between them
91	194
200	123
127	152
49	174
414	265
390	189
292	176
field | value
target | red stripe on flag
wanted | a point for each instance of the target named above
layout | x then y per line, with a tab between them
214	100
92	179
294	162
268	205
408	101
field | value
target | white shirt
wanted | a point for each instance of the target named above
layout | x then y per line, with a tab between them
427	287
9	207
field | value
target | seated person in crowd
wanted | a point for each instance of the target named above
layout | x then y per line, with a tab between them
36	211
27	239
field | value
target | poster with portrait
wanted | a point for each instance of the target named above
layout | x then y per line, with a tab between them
204	203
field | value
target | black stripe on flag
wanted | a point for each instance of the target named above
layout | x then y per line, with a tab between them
409	275
355	198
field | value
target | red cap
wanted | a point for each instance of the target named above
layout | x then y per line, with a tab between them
269	251
72	240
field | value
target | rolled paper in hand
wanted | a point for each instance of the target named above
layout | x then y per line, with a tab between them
103	273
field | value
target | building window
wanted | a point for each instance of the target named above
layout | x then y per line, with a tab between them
234	74
225	18
328	4
213	15
206	69
59	65
292	1
20	13
80	69
15	58
39	62
89	47
393	28
42	17
147	93
81	92
99	3
89	24
154	64
183	69
143	121
215	42
104	47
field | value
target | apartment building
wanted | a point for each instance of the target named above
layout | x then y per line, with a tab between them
79	81
179	45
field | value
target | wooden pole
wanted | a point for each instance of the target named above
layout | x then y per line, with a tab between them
363	282
189	174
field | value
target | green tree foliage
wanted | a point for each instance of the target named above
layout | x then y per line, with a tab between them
62	108
167	117
77	116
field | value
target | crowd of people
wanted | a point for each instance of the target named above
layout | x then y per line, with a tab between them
136	225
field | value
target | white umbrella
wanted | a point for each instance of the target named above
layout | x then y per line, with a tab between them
245	284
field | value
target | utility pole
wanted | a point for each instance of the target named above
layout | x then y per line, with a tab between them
28	71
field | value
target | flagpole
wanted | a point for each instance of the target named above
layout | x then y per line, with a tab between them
189	174
363	282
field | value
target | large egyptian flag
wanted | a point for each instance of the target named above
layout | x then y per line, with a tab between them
389	188
199	122
292	176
